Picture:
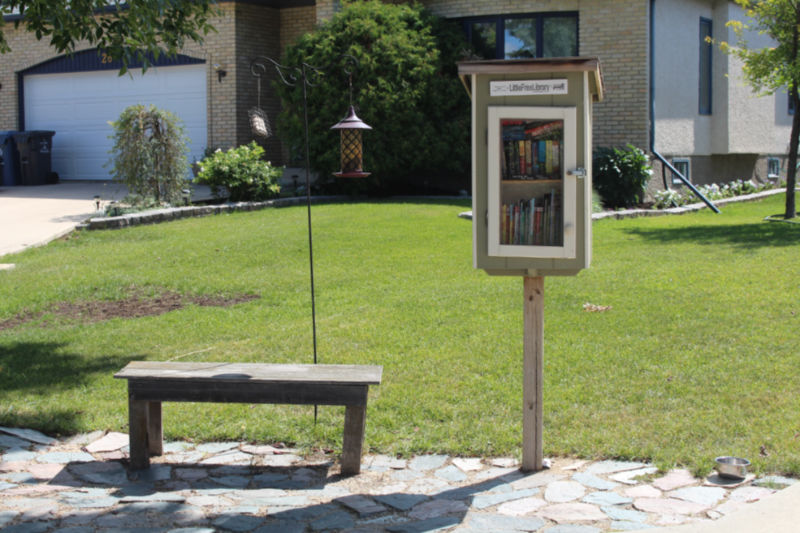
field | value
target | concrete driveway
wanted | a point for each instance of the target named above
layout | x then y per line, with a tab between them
32	216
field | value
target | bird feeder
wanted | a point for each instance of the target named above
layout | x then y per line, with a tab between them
351	145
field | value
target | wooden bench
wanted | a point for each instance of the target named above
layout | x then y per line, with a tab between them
150	383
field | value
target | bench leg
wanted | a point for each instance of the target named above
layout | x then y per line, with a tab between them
155	436
355	417
137	428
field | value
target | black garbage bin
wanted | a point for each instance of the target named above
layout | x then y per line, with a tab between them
34	148
9	163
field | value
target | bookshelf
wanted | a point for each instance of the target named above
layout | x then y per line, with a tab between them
530	151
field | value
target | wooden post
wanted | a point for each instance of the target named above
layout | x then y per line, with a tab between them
533	366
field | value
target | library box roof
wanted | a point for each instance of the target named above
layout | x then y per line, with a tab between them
524	66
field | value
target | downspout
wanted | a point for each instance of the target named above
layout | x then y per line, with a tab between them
653	117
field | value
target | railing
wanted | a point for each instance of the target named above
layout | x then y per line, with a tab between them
686	182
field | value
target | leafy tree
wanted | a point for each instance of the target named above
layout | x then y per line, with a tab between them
405	86
771	68
126	31
149	153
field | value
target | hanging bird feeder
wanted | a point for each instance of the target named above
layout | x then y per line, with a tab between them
351	145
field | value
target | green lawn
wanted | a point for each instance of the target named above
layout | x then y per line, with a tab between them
698	357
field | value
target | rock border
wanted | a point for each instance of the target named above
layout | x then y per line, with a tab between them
175	213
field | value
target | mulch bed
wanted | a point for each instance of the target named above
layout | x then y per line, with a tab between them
134	306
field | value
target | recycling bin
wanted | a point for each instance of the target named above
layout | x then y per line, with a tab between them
34	149
9	164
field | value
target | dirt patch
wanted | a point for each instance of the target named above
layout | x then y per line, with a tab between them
134	306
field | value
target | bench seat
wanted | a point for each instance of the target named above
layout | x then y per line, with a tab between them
153	382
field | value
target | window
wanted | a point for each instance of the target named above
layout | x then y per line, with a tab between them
773	167
682	166
523	36
706	49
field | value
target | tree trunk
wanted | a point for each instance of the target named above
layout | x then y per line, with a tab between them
791	172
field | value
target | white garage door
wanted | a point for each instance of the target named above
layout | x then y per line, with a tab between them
79	105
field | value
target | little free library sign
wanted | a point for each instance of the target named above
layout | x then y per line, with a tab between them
527	88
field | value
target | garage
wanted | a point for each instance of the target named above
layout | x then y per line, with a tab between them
77	98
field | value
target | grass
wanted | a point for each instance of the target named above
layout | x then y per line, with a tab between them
697	357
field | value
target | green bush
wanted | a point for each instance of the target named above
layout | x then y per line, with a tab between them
149	154
621	175
405	86
240	174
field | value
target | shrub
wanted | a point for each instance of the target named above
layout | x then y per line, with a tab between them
149	154
621	175
240	174
405	86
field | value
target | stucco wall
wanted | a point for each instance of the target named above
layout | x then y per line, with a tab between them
741	122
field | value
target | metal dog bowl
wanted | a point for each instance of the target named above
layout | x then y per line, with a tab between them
732	467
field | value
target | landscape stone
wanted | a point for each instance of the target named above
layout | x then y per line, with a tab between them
572	512
208	500
708	496
674	479
468	464
401	502
232	457
730	506
422	463
643	491
156	472
154	497
606	497
108	443
28	527
388	462
236	522
282	460
191	474
216	447
538	479
4	486
521	507
10	443
668	506
749	494
496	522
29	435
268	479
239	482
624	515
18	455
564	491
482	501
65	457
628	526
281	526
610	467
263	449
572	528
594	482
101	473
774	481
425	526
362	505
505	462
336	521
436	508
176	447
192	530
451	473
629	477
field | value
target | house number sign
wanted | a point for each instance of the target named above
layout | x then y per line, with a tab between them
527	87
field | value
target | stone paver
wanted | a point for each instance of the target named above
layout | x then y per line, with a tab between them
82	484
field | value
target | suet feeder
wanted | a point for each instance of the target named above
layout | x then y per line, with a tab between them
351	145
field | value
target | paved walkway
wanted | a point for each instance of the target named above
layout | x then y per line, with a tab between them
81	485
33	216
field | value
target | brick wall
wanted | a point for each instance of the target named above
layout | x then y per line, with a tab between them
219	48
